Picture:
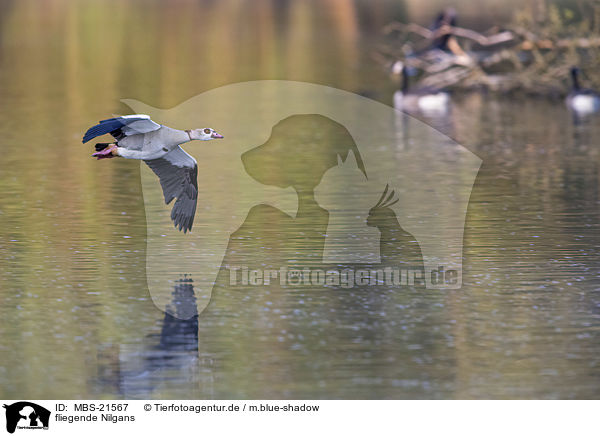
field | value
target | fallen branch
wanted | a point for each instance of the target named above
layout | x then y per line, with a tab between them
499	38
511	60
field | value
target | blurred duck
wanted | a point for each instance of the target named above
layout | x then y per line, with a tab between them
428	100
443	45
446	42
580	100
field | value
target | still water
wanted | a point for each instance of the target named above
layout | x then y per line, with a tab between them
76	316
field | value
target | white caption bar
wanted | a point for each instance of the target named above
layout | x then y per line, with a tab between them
299	417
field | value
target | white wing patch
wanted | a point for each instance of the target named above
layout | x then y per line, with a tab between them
141	126
136	116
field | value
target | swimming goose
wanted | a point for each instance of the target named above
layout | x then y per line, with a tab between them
427	100
582	101
138	137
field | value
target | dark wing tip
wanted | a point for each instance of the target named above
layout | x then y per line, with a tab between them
105	126
88	135
183	213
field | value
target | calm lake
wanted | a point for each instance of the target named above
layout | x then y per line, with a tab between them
76	316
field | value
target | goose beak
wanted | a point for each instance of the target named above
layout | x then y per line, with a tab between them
215	135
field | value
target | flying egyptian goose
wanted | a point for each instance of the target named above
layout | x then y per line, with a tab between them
138	137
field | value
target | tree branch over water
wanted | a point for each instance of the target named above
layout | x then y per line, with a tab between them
533	54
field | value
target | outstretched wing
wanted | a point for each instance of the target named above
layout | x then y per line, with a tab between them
178	174
122	126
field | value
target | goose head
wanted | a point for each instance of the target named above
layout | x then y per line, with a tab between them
205	134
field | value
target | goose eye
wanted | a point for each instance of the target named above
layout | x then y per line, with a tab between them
207	131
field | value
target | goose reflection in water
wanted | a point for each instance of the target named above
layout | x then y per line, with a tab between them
159	361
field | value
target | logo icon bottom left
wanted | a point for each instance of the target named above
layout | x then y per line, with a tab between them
26	415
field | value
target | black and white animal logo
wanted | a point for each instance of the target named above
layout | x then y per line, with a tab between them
26	415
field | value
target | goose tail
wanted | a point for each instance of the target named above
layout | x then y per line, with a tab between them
102	145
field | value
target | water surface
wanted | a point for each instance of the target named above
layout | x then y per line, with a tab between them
76	317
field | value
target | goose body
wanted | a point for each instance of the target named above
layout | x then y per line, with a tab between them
426	100
584	104
151	145
138	137
580	100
